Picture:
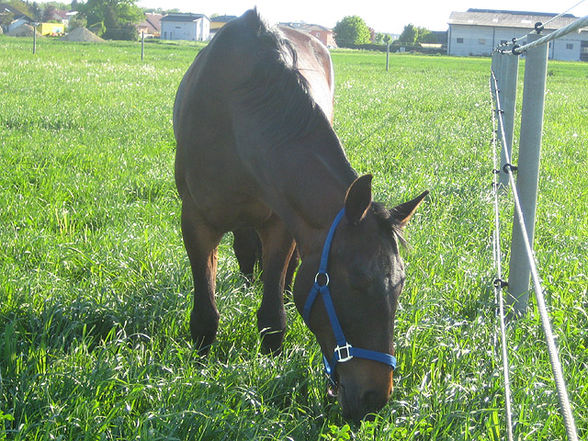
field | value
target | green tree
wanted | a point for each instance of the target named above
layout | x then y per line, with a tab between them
409	34
351	31
381	38
114	19
49	13
77	21
413	35
426	36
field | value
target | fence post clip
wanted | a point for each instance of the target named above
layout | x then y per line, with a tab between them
509	168
539	27
500	283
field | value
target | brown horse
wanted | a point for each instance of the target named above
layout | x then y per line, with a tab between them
255	148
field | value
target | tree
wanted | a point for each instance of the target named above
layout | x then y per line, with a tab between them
413	35
49	13
426	36
77	21
113	19
409	34
381	38
351	31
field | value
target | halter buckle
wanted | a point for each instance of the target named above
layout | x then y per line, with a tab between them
339	351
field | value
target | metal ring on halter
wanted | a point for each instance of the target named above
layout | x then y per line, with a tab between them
326	276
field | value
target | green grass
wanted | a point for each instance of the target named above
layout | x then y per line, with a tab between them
95	287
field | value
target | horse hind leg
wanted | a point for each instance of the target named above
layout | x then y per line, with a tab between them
292	265
277	246
201	243
247	247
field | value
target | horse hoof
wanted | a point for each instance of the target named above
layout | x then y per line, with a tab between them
203	333
202	344
271	341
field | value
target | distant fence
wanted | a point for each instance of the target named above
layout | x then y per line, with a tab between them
523	266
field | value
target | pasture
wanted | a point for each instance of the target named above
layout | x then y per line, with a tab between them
95	286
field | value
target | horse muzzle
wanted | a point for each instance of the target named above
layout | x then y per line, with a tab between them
358	404
362	396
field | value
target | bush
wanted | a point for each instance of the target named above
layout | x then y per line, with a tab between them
125	32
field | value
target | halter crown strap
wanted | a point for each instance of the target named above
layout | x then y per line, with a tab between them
328	241
343	351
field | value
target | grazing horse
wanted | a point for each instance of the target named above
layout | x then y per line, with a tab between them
256	149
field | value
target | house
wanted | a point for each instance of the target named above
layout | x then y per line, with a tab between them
12	18
479	31
8	14
216	23
323	34
151	25
18	22
192	27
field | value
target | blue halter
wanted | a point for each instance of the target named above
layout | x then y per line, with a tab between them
343	351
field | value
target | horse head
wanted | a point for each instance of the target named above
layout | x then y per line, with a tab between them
360	278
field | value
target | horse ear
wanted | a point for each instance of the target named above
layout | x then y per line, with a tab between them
403	212
358	199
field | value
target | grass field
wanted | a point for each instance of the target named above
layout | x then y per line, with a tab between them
95	287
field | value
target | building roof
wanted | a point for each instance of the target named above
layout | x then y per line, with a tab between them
7	9
183	17
222	18
509	19
306	27
152	23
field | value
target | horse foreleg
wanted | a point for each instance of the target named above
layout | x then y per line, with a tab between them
277	246
201	243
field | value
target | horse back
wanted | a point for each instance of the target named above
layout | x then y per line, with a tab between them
249	93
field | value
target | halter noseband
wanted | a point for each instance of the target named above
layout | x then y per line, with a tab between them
343	351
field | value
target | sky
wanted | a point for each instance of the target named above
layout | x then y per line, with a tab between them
381	15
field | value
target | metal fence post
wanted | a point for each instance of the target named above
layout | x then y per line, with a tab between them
528	172
142	45
35	38
508	99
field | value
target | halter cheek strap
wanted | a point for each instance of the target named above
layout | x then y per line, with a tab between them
343	351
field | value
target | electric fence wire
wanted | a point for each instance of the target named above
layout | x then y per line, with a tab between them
565	407
538	28
498	283
580	23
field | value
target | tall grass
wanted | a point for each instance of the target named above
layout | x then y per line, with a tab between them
95	287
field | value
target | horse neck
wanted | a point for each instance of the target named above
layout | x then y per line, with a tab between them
309	186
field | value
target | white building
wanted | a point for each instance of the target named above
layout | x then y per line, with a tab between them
479	31
193	27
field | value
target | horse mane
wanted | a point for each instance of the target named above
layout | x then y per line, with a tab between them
276	92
